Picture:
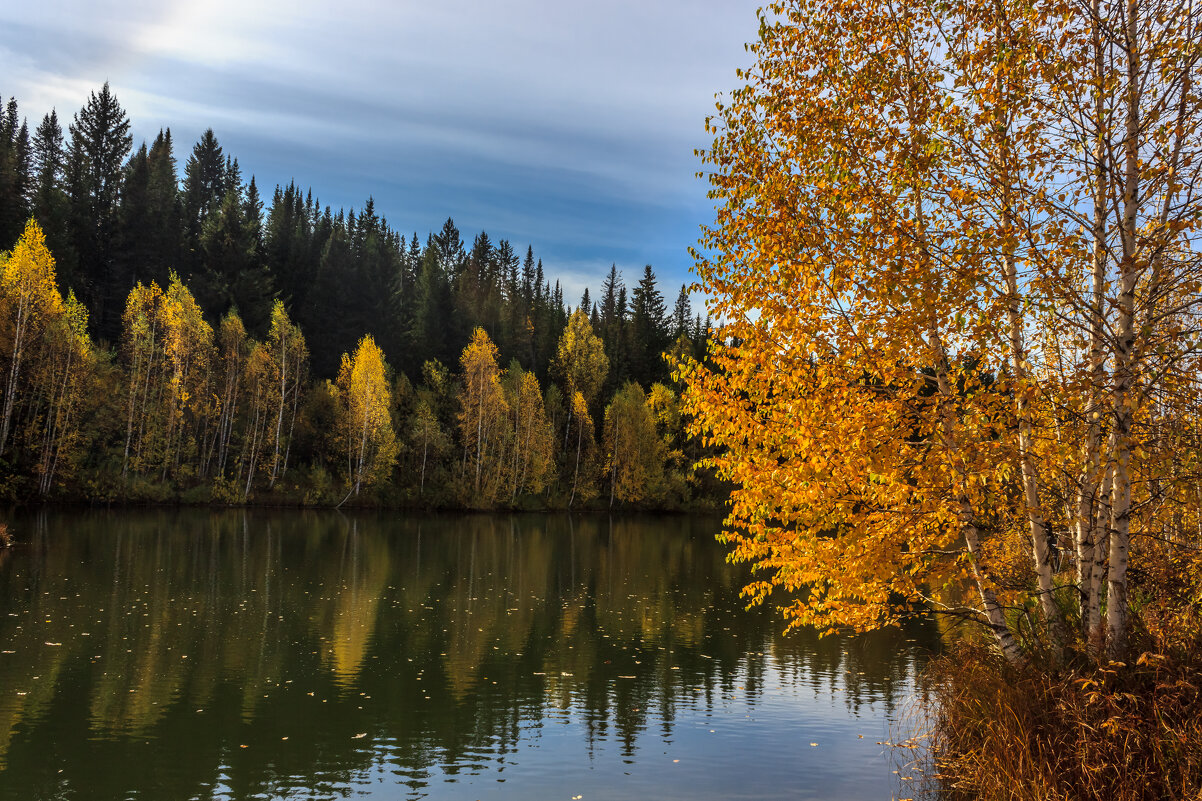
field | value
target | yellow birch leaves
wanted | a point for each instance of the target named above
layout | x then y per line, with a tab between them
366	394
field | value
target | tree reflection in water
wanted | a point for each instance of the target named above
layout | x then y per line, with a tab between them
179	654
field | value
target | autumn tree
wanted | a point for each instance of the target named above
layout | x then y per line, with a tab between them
369	440
29	299
290	370
427	439
259	384
634	453
957	285
142	354
233	349
580	360
484	425
64	391
49	363
532	460
187	345
580	457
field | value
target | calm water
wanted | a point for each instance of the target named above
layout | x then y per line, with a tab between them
184	654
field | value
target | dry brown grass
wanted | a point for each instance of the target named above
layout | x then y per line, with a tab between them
1116	732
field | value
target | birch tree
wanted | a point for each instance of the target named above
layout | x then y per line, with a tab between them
634	453
364	389
484	425
28	299
290	360
954	256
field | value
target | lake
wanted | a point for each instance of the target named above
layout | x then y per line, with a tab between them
175	654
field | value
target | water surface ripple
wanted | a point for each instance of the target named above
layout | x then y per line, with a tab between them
191	654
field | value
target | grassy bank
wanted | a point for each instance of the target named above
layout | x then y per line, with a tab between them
1121	731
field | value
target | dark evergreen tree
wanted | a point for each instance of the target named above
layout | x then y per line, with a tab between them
449	250
376	264
49	204
163	219
16	179
682	313
205	185
100	141
649	331
507	299
477	300
403	294
287	242
612	330
432	310
233	274
133	250
529	284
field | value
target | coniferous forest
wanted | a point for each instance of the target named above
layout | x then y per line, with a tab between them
174	334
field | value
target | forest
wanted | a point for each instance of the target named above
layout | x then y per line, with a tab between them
169	338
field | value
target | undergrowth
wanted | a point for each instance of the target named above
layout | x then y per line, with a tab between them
1118	731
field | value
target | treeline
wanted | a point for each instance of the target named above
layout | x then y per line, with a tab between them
159	353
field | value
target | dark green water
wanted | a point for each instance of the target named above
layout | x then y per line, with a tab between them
188	654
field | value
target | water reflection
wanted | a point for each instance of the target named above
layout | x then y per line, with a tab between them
186	654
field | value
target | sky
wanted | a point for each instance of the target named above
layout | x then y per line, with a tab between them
563	125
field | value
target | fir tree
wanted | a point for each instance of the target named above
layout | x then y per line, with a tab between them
205	184
49	204
649	334
16	179
100	141
681	313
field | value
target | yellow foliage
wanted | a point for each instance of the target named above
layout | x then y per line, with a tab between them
365	390
484	419
634	454
580	358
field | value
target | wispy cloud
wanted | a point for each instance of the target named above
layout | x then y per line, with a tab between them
569	123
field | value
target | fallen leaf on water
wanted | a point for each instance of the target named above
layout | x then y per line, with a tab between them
359	736
814	744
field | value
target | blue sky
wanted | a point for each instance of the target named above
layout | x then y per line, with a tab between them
564	125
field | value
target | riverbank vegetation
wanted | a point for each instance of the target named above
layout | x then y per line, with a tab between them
168	340
955	254
183	411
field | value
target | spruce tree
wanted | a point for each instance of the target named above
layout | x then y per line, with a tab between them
163	219
100	141
133	249
49	204
649	331
16	179
205	184
681	313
